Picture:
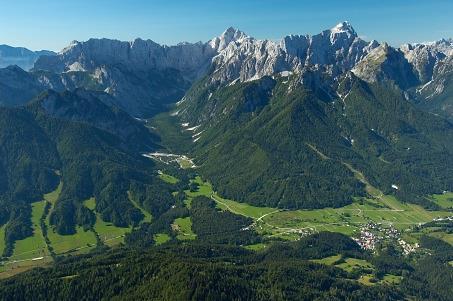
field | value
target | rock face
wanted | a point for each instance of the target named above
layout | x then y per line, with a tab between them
387	63
425	58
141	55
144	77
22	57
333	51
233	55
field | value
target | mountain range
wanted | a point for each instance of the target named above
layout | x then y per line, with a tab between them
306	122
145	77
309	111
78	139
20	56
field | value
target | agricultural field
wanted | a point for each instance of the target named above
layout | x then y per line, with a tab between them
183	226
161	238
52	196
33	246
347	264
354	264
448	237
380	209
33	251
148	217
90	203
366	280
168	178
80	242
2	238
109	234
350	264
205	189
256	247
444	200
328	260
386	211
12	268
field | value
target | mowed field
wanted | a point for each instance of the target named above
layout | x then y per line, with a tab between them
80	241
107	232
183	228
33	251
205	189
147	216
168	178
444	200
161	238
364	267
33	246
270	222
2	238
383	209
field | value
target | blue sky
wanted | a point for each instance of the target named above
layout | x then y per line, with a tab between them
51	24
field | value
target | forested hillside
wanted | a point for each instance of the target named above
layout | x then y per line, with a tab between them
213	272
317	167
281	143
91	149
196	272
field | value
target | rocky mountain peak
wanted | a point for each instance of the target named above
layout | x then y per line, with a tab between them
342	33
344	26
228	36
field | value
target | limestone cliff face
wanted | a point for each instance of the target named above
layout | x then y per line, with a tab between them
144	77
136	55
334	51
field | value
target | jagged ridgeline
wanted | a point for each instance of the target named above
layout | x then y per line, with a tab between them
90	147
144	77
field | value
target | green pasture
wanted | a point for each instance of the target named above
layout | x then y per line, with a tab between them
168	178
35	245
161	238
183	227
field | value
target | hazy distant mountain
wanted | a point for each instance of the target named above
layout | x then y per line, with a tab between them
143	76
96	109
20	56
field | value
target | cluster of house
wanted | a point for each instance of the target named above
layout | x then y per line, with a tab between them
390	232
442	219
371	234
368	239
306	232
407	247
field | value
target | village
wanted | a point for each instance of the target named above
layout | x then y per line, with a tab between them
374	234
